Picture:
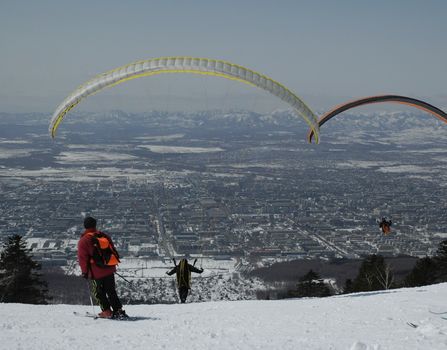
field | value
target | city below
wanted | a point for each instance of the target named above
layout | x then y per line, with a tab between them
233	186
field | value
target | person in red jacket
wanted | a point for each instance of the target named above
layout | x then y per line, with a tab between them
101	275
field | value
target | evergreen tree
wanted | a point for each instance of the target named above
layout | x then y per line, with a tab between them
19	282
441	261
374	274
424	273
348	288
310	285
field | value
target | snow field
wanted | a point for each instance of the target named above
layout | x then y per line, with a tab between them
361	321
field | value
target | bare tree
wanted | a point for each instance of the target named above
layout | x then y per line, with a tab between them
385	276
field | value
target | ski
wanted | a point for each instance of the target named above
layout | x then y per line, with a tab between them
87	314
414	325
437	313
95	317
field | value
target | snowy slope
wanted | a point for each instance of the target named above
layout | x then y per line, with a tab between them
375	320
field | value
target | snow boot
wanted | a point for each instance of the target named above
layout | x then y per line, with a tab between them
120	314
106	314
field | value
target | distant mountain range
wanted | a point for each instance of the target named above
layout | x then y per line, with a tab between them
279	119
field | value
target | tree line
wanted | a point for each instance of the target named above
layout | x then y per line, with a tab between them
22	282
376	274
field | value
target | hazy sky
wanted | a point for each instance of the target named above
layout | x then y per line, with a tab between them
325	51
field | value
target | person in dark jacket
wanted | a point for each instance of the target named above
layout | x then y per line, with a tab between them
102	276
183	273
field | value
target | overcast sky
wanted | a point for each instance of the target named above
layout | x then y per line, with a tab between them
325	51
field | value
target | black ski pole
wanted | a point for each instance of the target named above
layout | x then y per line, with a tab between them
123	278
130	285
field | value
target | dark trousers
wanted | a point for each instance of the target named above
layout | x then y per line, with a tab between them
105	293
183	292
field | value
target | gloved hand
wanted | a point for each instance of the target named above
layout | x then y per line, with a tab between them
85	275
201	269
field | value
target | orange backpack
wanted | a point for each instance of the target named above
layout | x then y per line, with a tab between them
104	253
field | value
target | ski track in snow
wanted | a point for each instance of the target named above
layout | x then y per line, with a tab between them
361	321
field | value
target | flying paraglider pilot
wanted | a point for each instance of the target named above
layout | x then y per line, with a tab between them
385	225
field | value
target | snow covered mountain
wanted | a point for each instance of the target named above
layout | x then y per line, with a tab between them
379	123
400	319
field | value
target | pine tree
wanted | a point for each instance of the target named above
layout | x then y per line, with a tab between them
424	273
441	261
19	282
374	274
310	285
348	288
